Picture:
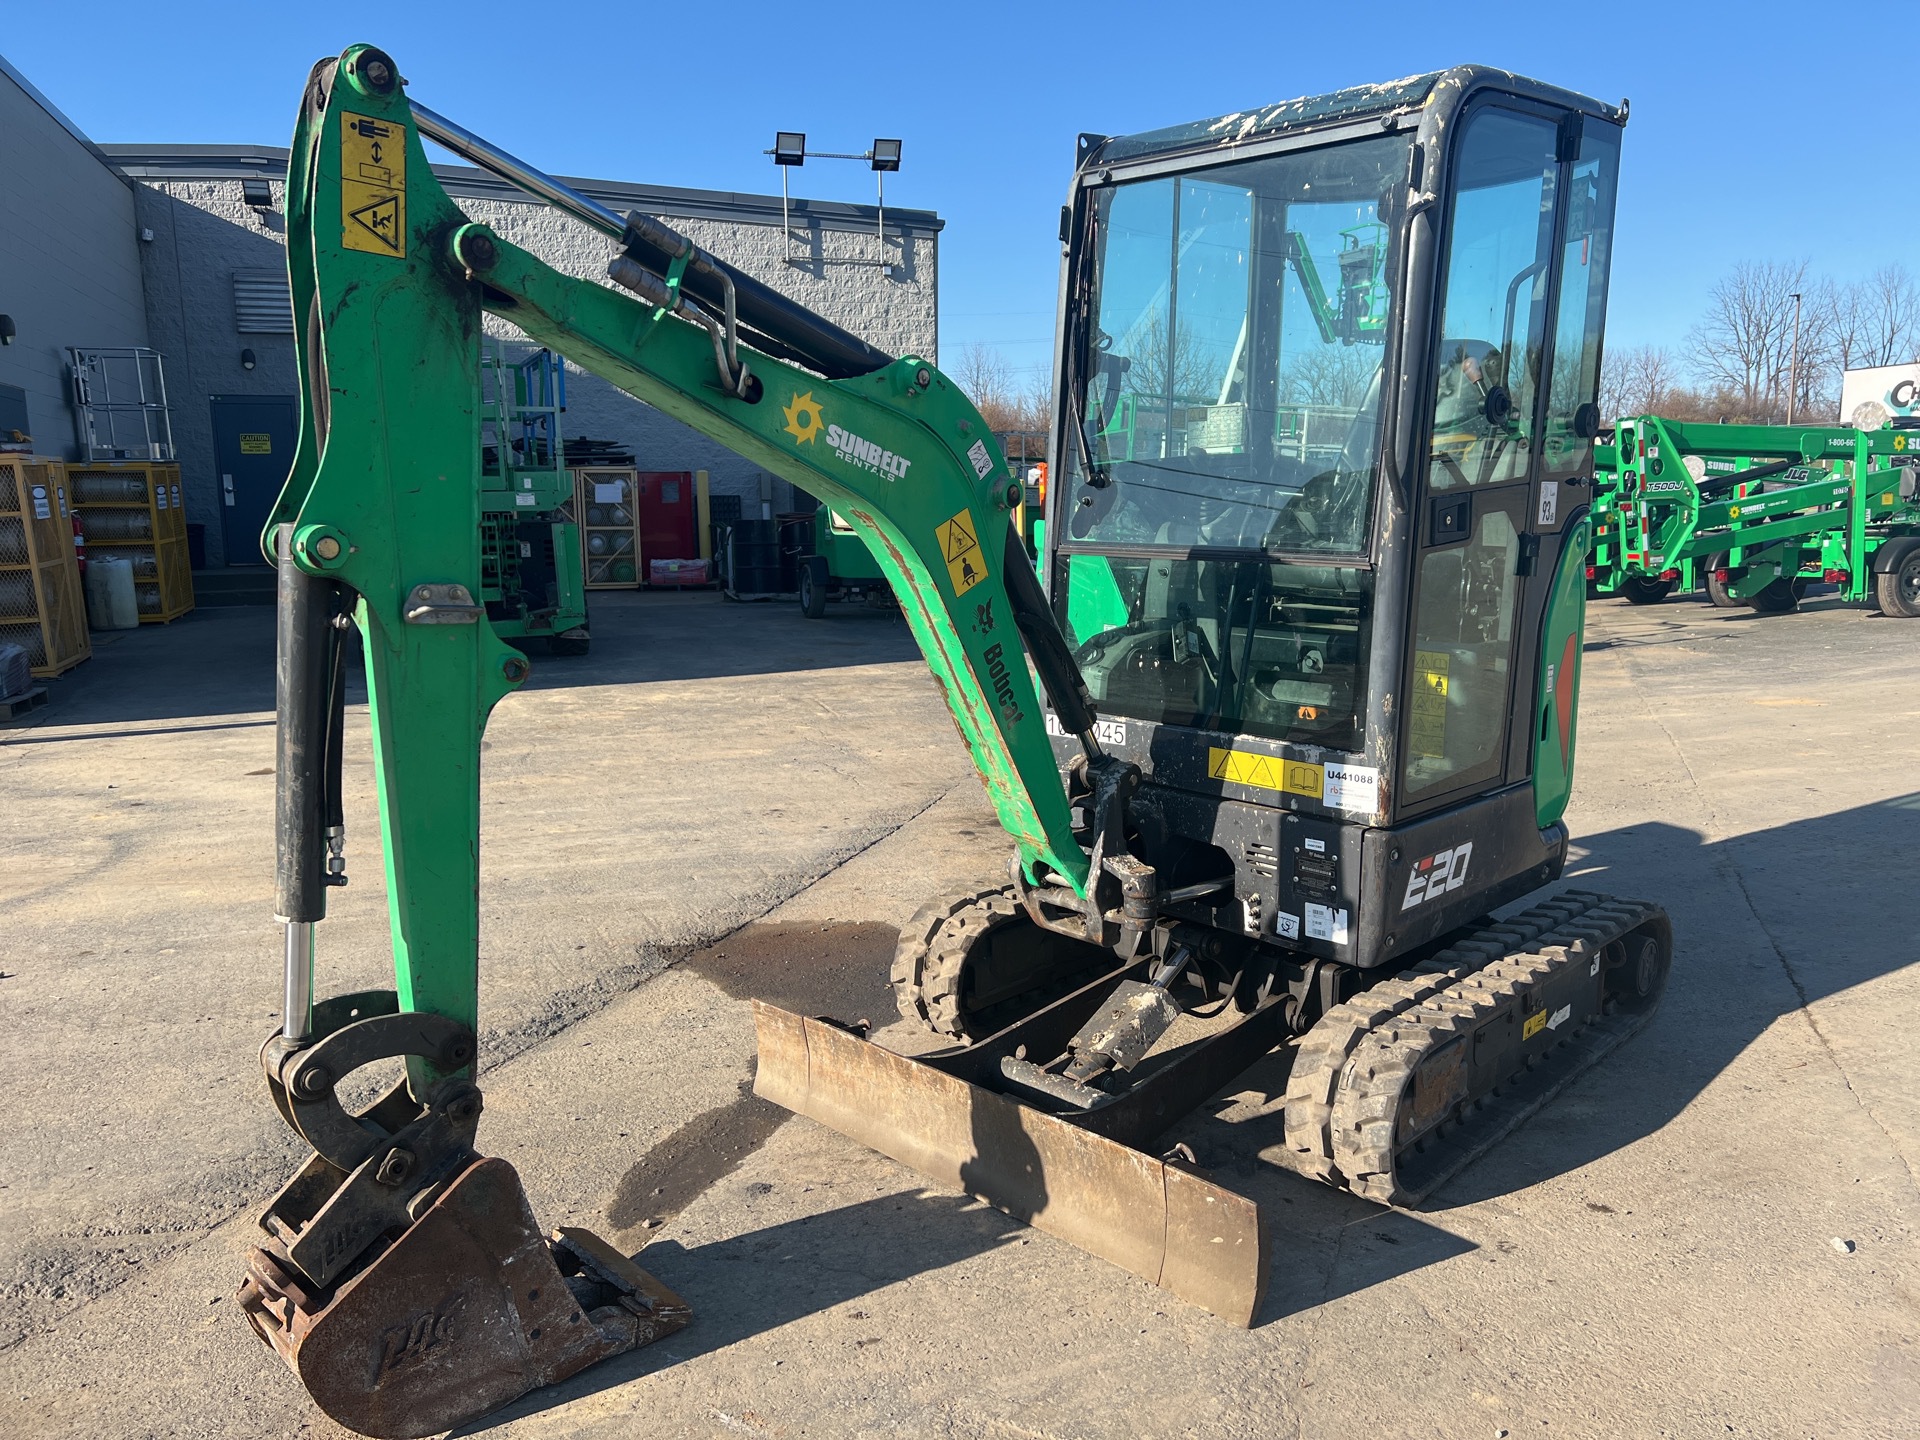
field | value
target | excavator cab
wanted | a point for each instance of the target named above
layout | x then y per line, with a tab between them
1306	541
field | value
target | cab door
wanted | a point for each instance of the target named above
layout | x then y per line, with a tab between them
1498	435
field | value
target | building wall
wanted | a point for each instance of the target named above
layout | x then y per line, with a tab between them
896	313
204	231
69	263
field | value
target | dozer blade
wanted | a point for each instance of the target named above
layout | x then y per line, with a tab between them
470	1307
1165	1224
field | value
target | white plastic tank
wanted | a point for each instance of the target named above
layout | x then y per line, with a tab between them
110	599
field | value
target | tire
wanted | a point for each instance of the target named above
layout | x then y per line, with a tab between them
1643	590
1718	595
1782	597
968	966
813	586
1898	590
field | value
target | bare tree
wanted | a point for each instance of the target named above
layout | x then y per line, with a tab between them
1744	342
1194	369
1008	401
1875	321
987	378
1639	381
1328	375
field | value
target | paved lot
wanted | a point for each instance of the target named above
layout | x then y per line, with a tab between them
1655	1254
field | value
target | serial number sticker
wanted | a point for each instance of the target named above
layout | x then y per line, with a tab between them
1107	732
1326	923
1266	772
966	567
1352	787
373	185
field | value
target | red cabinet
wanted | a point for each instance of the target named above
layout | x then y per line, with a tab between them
668	516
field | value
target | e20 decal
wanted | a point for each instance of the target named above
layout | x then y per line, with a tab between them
1440	872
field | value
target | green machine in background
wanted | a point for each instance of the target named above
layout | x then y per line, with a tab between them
530	566
1753	514
838	566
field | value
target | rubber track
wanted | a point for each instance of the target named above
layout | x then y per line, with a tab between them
1571	930
1323	1052
932	953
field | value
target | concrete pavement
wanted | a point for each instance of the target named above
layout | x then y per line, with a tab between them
1654	1254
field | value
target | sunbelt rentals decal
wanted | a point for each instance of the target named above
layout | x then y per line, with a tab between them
807	422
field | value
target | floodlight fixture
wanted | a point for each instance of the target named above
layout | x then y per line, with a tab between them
885	155
258	194
789	147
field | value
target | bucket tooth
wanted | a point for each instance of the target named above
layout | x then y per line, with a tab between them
1163	1223
470	1307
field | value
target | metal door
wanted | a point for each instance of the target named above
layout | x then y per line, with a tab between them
253	451
666	512
1468	660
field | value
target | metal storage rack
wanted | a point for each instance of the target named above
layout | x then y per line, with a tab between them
606	504
42	607
134	511
120	407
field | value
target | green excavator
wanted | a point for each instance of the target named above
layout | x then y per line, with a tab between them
1287	715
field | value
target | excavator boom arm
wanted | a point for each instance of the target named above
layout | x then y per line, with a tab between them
390	280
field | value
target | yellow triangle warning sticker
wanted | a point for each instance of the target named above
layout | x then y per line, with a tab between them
381	220
373	184
1267	772
956	536
966	566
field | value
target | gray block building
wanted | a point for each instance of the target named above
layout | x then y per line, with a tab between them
182	248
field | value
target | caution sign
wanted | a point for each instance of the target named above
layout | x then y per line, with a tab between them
255	443
965	564
1429	709
1267	772
373	185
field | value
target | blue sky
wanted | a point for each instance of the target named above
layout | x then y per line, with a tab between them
1758	130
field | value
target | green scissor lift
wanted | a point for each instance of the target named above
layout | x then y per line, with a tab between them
1753	514
530	563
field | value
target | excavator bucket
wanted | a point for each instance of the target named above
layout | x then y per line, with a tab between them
470	1307
1164	1223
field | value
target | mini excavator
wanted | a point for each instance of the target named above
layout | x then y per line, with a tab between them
1287	715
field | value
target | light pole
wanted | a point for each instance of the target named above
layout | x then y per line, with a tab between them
1793	365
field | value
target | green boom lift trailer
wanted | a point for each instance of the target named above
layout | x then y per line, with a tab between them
1304	718
1752	514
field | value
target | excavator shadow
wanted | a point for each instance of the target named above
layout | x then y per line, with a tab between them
1765	924
753	1283
1326	1245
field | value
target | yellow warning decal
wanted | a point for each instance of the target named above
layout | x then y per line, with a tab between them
1533	1025
255	443
1267	772
373	185
1429	731
965	564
